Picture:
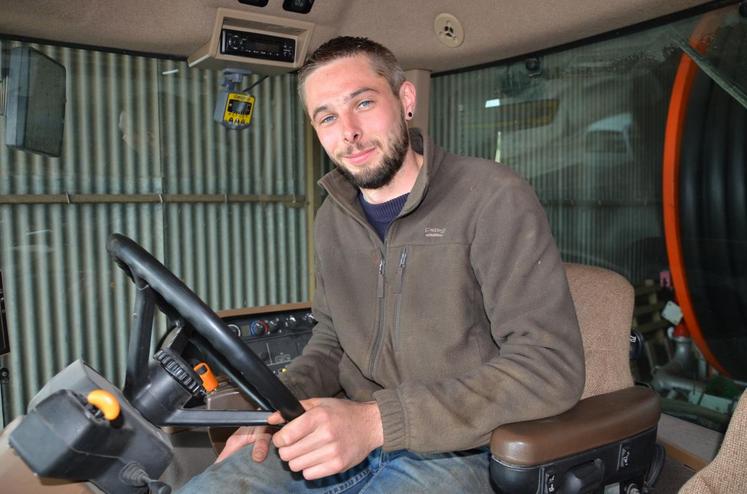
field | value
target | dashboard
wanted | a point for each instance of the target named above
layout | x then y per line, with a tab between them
277	334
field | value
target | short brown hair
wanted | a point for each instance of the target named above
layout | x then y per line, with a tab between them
382	60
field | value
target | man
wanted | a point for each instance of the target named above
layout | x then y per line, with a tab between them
442	305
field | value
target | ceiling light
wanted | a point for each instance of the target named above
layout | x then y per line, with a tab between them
298	6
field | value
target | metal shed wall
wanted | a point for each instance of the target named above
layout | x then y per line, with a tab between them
223	209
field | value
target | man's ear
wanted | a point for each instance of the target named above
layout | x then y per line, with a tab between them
408	97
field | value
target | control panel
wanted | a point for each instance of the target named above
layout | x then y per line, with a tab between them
277	335
257	45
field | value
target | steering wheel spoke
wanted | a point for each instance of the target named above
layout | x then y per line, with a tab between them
136	376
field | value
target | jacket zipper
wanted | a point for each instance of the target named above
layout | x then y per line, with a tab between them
401	270
398	292
379	332
380	286
380	283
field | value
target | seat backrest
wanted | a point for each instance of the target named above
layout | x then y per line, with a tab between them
726	473
604	306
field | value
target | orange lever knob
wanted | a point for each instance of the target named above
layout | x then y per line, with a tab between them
209	381
106	402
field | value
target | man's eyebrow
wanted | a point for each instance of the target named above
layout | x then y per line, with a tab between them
350	96
358	92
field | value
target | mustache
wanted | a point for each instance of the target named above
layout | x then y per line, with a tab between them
357	147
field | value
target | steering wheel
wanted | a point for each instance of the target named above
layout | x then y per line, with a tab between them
157	286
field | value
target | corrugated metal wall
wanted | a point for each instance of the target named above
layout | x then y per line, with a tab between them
223	209
586	130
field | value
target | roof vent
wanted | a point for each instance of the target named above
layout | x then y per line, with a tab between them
449	30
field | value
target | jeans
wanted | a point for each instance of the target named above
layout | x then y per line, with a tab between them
381	472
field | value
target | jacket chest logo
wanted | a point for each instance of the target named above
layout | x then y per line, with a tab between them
434	231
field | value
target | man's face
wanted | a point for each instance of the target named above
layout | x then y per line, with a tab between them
358	120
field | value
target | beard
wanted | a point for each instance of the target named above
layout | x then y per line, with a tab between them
381	173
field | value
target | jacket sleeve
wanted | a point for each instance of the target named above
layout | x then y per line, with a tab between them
539	371
316	371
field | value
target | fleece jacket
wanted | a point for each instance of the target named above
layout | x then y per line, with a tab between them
459	321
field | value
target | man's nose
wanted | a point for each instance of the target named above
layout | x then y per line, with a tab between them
351	130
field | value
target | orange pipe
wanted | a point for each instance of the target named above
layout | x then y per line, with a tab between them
681	89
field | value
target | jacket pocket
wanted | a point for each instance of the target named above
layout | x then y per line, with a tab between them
435	311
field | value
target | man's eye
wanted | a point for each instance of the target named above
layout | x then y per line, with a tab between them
365	103
326	120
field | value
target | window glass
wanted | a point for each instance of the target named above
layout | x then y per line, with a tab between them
142	155
635	146
586	127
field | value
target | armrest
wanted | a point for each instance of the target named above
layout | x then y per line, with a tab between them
18	477
593	422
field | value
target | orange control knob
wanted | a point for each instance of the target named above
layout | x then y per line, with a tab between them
206	374
106	402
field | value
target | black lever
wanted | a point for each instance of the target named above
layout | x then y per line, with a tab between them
133	474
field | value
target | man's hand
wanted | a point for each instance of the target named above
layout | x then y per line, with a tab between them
243	436
332	436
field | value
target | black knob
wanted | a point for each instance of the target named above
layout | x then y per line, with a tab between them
274	325
308	318
290	322
181	371
236	329
637	344
234	41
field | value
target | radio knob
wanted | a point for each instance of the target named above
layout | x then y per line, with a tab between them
309	318
236	330
274	325
234	41
258	328
291	322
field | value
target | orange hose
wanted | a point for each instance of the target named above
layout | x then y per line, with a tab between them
681	89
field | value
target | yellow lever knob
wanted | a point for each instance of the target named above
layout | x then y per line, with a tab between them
106	402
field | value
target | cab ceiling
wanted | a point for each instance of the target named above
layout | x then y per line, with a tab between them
494	29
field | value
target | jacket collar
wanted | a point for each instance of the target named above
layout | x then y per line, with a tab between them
342	192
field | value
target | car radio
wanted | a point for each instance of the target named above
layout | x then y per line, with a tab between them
257	45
